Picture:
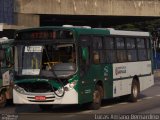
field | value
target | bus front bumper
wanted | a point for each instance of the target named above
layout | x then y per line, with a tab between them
70	97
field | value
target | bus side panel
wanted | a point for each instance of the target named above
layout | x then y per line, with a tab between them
95	74
85	86
108	80
102	74
123	74
146	81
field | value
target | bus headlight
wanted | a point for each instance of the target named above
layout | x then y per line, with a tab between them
19	89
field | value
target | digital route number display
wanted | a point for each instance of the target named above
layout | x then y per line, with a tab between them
44	35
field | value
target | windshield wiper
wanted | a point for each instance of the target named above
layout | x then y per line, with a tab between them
52	70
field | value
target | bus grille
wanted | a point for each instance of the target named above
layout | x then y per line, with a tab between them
37	87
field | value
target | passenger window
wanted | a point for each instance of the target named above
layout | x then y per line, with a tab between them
130	43
96	57
111	56
119	43
121	56
97	43
142	55
132	55
109	43
140	43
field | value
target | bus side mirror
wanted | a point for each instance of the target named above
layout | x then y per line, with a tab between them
2	54
85	54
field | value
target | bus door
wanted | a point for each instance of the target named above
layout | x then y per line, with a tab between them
84	70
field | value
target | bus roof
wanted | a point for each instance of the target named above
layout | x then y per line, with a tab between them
128	33
89	30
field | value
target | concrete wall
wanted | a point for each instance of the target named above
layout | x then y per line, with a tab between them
90	7
29	20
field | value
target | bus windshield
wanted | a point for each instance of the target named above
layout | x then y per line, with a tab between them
58	60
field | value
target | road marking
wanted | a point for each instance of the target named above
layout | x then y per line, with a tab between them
107	107
158	95
147	98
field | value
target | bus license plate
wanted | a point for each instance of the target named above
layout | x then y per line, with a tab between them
40	98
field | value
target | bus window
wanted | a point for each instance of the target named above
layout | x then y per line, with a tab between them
142	55
121	52
131	51
142	51
130	43
121	56
111	56
60	53
109	43
119	43
132	55
148	45
97	47
140	43
97	43
96	57
85	48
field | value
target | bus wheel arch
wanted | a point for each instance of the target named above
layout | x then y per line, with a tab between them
100	84
98	94
135	89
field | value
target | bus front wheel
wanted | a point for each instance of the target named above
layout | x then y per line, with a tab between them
97	98
134	91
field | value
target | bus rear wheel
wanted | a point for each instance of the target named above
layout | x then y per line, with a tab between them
97	98
3	100
134	91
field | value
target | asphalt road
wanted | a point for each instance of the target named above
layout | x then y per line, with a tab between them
148	106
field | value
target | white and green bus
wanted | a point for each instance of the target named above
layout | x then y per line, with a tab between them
77	65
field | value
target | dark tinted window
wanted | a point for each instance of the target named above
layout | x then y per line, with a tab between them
97	42
132	55
130	43
119	43
109	43
140	43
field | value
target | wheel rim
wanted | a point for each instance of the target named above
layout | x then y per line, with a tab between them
135	91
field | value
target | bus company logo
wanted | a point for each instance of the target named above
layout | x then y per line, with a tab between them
120	70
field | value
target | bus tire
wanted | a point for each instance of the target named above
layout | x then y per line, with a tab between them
3	100
45	107
134	91
97	98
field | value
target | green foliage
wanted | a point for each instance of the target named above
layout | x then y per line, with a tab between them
140	26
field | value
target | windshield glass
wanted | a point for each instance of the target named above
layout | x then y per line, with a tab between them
58	60
32	58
